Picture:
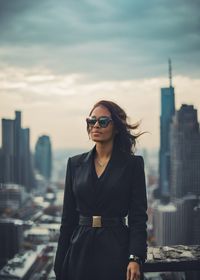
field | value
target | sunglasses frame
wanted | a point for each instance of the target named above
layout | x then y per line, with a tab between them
107	118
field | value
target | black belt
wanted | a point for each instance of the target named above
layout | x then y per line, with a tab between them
99	221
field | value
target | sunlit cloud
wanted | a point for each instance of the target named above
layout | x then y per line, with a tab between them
58	104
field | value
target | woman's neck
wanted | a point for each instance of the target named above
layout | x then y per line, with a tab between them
104	151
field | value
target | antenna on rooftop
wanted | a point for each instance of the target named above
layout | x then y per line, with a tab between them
170	72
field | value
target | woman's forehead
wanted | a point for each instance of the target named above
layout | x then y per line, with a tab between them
100	111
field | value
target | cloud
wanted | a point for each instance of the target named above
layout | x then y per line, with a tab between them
40	86
114	39
58	58
57	104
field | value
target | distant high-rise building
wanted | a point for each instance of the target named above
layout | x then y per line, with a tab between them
170	222
11	236
164	217
43	156
12	196
26	158
196	225
18	147
15	156
167	111
8	151
185	153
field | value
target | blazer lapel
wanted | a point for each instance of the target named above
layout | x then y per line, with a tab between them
106	185
96	194
83	180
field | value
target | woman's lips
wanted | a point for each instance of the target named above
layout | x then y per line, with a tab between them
96	132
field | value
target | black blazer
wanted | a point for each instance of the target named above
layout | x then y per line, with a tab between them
119	192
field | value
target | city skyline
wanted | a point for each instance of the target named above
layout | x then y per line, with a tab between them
58	60
15	157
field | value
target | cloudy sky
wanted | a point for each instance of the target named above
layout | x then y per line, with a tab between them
57	58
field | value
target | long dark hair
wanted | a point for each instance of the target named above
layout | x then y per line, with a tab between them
124	140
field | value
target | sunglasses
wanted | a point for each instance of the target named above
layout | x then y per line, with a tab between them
102	121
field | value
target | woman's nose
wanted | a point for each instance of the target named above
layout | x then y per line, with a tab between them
96	124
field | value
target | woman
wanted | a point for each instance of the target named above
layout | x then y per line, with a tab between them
102	187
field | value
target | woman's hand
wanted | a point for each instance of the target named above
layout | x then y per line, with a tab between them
133	271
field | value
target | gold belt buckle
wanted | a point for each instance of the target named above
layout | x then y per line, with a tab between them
96	221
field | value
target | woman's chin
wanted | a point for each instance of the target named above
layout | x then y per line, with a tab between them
96	139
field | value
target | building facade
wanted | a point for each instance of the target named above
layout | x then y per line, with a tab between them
185	153
170	222
43	156
167	112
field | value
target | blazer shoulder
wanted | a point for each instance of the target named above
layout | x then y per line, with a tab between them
137	160
78	159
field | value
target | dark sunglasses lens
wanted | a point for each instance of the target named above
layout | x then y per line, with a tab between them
91	121
103	122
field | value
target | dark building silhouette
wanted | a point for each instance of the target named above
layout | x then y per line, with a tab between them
11	236
26	161
18	147
43	156
178	195
15	156
8	151
167	111
171	220
196	224
12	196
185	153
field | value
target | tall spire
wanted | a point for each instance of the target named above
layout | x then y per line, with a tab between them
170	72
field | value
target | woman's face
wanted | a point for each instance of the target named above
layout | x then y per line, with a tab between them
98	133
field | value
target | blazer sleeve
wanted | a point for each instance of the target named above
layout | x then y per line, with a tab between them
68	222
137	216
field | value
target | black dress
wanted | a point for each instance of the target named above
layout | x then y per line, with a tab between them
102	253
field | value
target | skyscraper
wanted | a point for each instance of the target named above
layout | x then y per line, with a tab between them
167	111
26	158
15	157
185	152
8	151
196	223
43	156
18	147
11	236
171	222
